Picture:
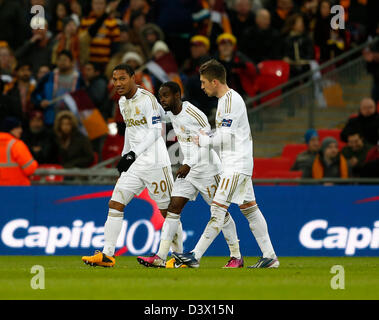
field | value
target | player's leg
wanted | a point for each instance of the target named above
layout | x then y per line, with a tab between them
258	227
121	196
207	189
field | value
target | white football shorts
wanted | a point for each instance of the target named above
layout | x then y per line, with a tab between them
234	188
159	183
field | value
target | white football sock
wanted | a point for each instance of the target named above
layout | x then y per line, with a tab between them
258	227
211	231
112	229
177	241
230	233
169	229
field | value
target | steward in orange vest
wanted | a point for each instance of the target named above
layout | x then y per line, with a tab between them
16	161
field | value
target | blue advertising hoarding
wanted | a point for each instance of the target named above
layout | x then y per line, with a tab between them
302	221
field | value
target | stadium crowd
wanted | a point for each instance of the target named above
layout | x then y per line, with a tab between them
56	81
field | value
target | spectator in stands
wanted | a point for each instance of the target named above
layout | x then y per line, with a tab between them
297	47
9	106
137	22
61	11
215	23
96	86
199	49
124	47
330	42
371	165
164	58
241	72
99	33
16	162
142	77
241	17
371	55
7	61
50	90
21	88
261	42
135	5
355	152
12	23
280	12
329	163
176	19
39	139
68	39
367	122
42	71
304	160
356	16
38	49
150	33
74	149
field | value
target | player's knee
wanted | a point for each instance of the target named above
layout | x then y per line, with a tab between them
247	204
218	215
175	206
116	205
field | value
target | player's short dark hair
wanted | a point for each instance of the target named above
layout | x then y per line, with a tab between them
127	68
213	70
173	86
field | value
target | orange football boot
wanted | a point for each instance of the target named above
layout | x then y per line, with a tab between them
99	259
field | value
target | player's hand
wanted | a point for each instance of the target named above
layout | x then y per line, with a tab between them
183	171
126	161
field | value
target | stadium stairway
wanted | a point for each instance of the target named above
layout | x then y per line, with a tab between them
281	129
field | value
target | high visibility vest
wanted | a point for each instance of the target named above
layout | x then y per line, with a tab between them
16	161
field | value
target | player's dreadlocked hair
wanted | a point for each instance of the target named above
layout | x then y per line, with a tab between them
212	69
128	69
173	86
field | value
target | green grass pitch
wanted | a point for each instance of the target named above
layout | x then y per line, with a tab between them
67	277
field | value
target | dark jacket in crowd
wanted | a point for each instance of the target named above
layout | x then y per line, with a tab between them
239	26
367	126
260	45
98	92
348	153
45	140
12	23
79	153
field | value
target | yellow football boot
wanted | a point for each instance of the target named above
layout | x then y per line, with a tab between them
171	264
99	259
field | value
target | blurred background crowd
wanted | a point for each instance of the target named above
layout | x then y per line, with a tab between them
56	93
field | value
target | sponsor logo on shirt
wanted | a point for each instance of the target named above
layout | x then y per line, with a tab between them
135	123
156	119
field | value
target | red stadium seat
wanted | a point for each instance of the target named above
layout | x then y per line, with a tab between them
291	150
113	146
280	174
335	133
50	178
272	73
262	166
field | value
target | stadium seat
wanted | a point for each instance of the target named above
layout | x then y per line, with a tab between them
113	146
50	178
272	73
95	159
280	174
291	150
335	133
263	166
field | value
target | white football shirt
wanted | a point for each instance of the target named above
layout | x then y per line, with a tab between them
141	113
232	123
186	124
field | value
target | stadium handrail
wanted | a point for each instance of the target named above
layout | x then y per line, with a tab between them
308	74
111	174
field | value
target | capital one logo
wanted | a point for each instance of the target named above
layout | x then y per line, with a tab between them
349	239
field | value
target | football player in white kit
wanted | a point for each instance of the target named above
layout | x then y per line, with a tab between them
233	135
200	173
145	161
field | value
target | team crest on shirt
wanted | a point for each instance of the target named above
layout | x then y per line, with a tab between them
183	129
137	111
